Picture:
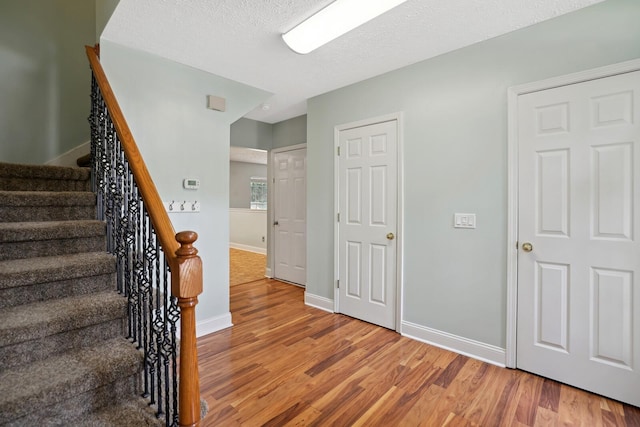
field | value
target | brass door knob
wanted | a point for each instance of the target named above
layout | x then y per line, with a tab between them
527	247
390	236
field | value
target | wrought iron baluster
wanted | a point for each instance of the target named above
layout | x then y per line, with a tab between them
134	215
119	214
126	231
143	273
151	256
158	326
143	291
170	350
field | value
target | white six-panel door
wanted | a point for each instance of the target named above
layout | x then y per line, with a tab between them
579	230
290	216
367	227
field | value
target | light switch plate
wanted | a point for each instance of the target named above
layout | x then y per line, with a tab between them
464	220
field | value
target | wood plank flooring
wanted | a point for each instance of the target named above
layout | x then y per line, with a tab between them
245	266
284	363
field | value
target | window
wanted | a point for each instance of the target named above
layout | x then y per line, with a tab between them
258	193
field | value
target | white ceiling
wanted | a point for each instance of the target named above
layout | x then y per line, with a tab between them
241	39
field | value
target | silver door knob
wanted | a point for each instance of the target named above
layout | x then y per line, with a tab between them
527	247
390	236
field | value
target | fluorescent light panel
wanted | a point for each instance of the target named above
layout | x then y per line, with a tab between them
338	18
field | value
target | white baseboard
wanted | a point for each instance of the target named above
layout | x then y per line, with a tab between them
268	273
248	248
319	302
213	324
474	349
69	158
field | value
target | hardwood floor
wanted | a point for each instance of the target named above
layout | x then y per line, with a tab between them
284	363
245	266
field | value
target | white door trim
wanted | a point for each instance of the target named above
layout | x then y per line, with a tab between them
271	251
400	208
512	180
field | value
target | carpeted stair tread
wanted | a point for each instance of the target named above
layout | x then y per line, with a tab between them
41	319
29	271
136	413
15	170
46	383
49	230
47	198
50	238
26	352
20	177
20	206
84	161
72	411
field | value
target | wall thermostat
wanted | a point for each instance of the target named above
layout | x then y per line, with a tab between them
191	183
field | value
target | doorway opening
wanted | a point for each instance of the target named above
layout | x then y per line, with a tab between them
248	203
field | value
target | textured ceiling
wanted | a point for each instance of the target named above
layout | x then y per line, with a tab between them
240	39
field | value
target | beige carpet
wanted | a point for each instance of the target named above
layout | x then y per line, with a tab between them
245	266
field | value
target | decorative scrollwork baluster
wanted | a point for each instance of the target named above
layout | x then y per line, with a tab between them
143	273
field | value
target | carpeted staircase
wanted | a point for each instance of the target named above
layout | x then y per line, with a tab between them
64	360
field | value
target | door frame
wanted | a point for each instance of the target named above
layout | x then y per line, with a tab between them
398	118
512	181
271	191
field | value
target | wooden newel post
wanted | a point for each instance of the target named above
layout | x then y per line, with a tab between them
186	285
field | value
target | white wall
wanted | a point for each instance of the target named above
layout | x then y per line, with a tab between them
248	230
164	103
455	160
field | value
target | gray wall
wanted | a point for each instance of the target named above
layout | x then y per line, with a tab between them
104	10
240	174
44	77
164	103
251	134
254	134
290	132
455	160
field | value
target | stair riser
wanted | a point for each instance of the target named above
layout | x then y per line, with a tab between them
60	289
30	184
64	412
42	248
46	213
31	351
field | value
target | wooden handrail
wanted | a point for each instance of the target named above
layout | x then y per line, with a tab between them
185	264
153	202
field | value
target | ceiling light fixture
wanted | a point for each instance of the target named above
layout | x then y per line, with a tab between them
338	18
